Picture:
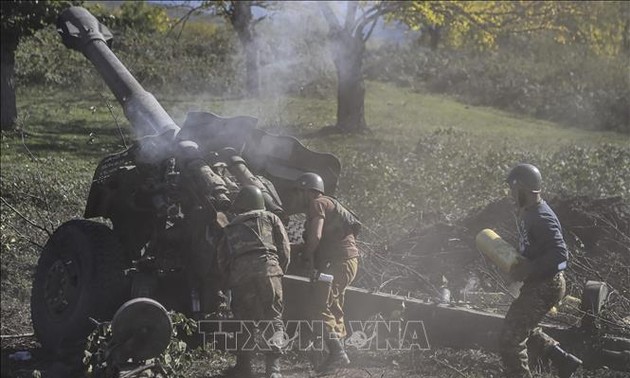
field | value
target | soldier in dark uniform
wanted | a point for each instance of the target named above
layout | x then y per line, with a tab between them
255	254
330	248
542	244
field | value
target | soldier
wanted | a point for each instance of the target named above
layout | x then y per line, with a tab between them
542	244
200	180
329	248
255	255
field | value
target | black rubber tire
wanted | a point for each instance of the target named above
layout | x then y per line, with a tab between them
92	263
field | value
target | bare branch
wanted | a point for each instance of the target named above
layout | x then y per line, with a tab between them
23	335
367	13
373	14
369	33
21	235
111	112
17	212
184	19
351	14
28	151
227	9
409	269
256	21
449	366
39	177
39	181
329	15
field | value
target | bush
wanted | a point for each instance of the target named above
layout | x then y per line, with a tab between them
201	61
540	78
452	172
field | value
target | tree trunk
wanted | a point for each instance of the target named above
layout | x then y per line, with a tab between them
348	58
242	21
8	108
625	40
252	83
435	35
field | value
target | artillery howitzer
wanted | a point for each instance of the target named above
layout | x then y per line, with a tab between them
167	197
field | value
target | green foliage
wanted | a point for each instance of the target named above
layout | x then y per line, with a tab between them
533	76
22	18
39	61
563	61
176	358
179	361
175	361
202	60
95	352
133	15
451	172
602	26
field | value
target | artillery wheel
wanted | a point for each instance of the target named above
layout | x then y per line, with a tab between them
141	329
79	275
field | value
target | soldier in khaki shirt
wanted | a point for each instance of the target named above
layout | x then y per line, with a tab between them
330	248
254	255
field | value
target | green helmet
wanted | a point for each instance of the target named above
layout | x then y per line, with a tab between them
249	198
525	176
311	181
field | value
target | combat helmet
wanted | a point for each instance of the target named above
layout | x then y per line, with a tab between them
526	177
188	150
249	198
311	181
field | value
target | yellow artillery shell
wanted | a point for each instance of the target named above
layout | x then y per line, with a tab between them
498	250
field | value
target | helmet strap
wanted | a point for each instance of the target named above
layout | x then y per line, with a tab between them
527	199
521	198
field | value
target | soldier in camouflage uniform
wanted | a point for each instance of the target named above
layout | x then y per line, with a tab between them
255	254
330	248
542	243
201	181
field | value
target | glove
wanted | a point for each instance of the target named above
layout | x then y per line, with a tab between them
521	270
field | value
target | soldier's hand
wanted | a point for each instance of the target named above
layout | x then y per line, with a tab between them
309	264
521	271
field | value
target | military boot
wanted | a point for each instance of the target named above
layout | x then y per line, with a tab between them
566	363
337	357
272	365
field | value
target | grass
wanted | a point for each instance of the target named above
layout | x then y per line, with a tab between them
61	122
423	155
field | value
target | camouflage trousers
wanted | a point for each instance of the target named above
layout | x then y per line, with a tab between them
259	297
521	324
344	273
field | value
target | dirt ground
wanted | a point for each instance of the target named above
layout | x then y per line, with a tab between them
440	363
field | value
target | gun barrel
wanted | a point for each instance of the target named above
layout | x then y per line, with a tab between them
237	167
81	31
